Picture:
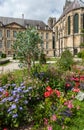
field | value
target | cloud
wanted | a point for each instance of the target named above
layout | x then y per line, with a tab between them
32	9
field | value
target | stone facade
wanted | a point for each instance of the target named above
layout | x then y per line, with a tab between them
68	28
9	27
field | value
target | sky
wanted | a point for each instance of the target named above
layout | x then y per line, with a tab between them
32	9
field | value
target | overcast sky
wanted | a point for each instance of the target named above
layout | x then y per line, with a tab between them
32	9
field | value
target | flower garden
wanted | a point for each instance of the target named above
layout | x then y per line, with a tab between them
48	99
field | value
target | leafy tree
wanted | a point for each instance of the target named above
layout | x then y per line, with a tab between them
27	46
66	60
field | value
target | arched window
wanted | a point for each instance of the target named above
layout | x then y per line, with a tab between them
76	23
69	25
83	21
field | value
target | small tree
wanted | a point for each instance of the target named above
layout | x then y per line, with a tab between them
26	46
66	60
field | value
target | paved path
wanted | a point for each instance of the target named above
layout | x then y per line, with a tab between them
10	67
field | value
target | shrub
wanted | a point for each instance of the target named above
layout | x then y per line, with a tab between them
42	58
4	61
3	55
81	54
66	60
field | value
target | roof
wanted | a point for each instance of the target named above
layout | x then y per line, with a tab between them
24	22
76	4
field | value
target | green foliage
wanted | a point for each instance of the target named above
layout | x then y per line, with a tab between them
81	54
4	61
26	46
66	60
42	58
3	55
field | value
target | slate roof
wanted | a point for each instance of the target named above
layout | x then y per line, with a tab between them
24	22
76	4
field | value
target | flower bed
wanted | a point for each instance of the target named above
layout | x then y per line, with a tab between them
43	105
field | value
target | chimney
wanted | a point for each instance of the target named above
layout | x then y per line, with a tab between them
22	16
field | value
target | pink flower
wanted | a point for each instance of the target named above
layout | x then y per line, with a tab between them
50	128
57	93
45	121
76	90
5	129
48	88
54	118
70	105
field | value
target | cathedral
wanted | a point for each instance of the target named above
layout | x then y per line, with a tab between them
68	28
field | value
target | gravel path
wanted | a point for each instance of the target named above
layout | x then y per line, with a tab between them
10	67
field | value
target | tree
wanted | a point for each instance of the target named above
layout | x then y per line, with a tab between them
66	60
27	46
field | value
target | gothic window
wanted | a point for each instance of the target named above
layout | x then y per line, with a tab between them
83	21
69	25
76	23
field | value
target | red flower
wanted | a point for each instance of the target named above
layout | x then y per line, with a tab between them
6	94
47	94
67	85
5	129
76	90
57	93
48	88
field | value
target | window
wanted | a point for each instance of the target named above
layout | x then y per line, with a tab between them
69	25
76	23
46	35
0	44
83	21
53	43
8	33
56	33
42	36
46	45
0	33
8	44
14	33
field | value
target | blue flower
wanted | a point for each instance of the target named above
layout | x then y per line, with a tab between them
20	108
25	102
15	115
1	89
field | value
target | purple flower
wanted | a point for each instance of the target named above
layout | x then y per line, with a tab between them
13	85
13	106
1	89
15	115
25	102
20	108
25	91
10	98
4	100
30	88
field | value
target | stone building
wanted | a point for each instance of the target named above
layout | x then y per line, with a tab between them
68	27
9	27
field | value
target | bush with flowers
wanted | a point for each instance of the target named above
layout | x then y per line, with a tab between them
47	107
55	109
14	105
